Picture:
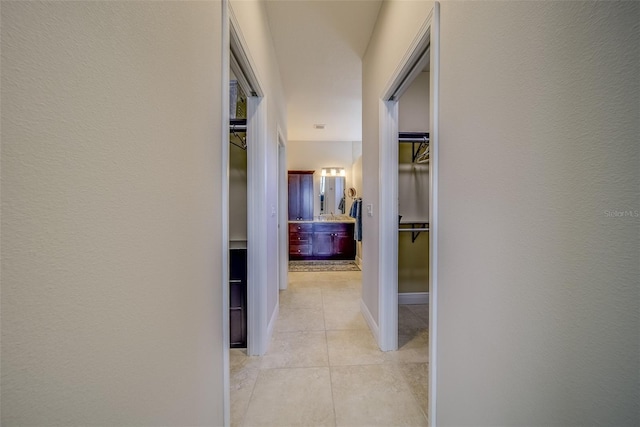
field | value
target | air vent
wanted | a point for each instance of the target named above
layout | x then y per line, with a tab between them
319	126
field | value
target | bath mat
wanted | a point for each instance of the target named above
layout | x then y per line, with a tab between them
312	266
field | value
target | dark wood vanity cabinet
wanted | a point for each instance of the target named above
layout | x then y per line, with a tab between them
320	240
300	240
300	195
334	240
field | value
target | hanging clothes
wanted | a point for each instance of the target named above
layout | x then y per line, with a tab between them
356	212
341	205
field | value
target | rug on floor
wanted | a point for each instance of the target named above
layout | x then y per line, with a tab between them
323	266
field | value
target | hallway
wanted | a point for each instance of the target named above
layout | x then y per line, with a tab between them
323	367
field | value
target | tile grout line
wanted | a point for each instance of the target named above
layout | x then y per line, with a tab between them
253	388
415	397
326	339
331	301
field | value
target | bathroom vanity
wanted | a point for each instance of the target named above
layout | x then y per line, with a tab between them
322	239
329	235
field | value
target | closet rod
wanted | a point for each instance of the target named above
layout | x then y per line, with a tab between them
413	140
238	125
413	136
413	229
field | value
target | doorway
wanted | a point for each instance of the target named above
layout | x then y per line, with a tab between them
323	185
424	53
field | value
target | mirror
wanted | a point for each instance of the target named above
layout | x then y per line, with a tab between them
332	195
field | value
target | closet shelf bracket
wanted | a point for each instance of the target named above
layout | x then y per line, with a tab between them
236	127
419	139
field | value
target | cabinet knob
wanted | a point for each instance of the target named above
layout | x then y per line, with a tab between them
298	238
298	250
298	228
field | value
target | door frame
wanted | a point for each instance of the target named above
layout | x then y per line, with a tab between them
283	202
426	45
257	322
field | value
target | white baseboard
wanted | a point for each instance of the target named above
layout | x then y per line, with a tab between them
369	319
413	298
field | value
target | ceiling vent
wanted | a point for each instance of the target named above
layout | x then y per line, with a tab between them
319	126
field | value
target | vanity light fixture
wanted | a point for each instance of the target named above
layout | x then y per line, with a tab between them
333	171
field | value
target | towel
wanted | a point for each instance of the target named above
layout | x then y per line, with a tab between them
356	212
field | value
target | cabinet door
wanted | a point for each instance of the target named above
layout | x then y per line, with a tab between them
322	243
306	197
344	245
300	196
294	197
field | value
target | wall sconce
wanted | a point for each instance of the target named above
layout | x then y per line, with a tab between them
333	172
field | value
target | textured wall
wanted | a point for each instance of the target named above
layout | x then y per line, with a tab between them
111	215
539	294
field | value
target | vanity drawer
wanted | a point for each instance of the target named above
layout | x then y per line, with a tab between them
298	249
300	227
300	238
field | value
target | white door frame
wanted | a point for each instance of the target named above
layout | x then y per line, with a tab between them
224	137
257	322
388	234
283	224
425	45
257	217
236	54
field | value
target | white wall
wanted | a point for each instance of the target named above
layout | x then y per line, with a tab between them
539	289
252	18
413	105
237	193
315	155
397	25
111	213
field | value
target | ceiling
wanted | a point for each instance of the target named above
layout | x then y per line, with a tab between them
319	47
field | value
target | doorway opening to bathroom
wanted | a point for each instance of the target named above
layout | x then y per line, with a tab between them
324	186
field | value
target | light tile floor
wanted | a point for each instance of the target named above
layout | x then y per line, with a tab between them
323	366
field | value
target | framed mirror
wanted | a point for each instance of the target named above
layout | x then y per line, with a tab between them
332	195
